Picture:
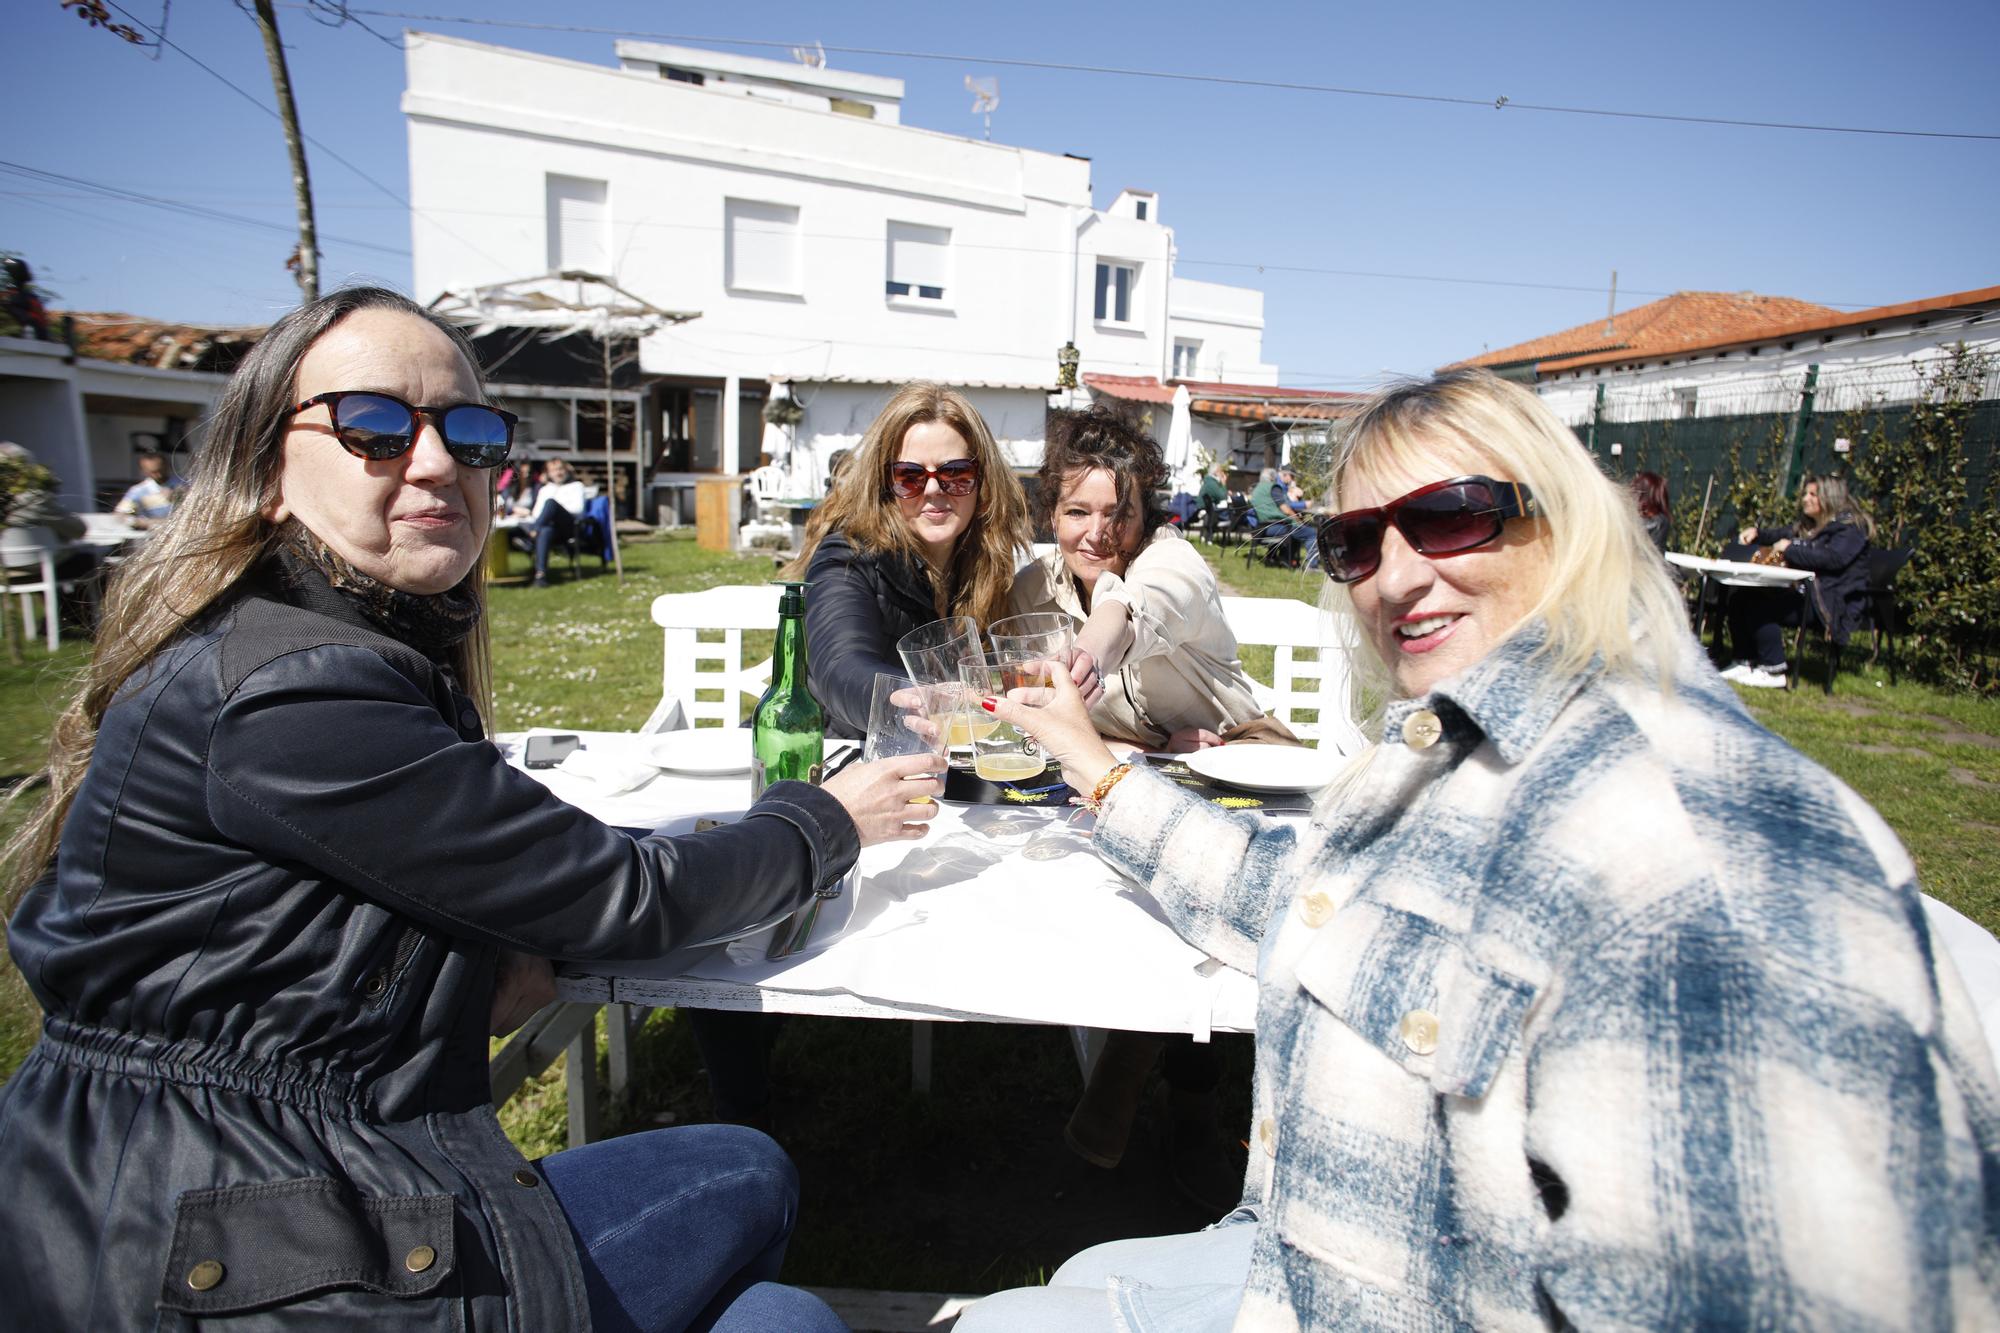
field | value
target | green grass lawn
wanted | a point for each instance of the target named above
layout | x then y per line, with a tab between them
970	1189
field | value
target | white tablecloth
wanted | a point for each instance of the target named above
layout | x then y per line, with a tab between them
998	913
1741	573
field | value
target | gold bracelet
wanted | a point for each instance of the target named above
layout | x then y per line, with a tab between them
1095	801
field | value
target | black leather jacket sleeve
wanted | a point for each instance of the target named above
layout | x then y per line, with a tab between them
846	641
1828	551
369	786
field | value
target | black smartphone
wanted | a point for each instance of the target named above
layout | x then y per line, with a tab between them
545	751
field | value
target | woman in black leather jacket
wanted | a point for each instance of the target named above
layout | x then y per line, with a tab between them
1831	540
276	876
887	552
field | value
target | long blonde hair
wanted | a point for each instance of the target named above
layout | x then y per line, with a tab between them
1836	505
1606	594
216	536
982	562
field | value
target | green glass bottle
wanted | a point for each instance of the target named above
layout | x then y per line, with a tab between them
788	730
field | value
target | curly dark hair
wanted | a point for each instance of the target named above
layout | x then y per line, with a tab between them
1080	441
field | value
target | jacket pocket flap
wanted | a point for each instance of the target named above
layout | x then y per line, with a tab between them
1412	990
246	1246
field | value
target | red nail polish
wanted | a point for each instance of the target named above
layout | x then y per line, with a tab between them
987	704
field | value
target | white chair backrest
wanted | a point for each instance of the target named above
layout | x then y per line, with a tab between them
20	547
1308	674
703	634
768	482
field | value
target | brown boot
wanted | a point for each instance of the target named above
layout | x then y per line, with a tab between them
1102	1121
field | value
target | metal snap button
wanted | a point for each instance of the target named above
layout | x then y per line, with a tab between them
527	1177
375	985
205	1275
1420	1031
1421	729
420	1258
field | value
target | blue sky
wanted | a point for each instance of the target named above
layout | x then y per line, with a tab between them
1510	205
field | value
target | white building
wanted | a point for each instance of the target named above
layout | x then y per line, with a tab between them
833	252
1698	355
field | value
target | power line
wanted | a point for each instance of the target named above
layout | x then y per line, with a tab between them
98	190
1178	76
161	37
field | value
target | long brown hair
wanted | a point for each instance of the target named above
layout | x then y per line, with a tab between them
1836	505
216	536
860	505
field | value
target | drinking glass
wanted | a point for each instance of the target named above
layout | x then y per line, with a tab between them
1048	634
899	722
932	653
1001	753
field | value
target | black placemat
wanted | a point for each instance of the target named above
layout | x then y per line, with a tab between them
1174	769
964	787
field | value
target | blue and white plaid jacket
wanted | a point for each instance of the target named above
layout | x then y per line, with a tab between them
1604	1006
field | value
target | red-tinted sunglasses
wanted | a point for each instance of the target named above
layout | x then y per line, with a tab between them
957	477
1443	518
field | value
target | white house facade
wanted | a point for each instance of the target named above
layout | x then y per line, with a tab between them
831	251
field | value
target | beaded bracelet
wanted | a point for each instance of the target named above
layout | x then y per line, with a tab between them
1095	801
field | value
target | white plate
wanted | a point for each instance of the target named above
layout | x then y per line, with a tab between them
709	752
1266	767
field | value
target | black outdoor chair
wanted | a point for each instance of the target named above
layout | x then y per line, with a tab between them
1884	612
1280	543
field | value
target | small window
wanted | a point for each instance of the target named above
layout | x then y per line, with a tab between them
579	225
761	243
1684	401
1187	355
1114	292
1142	210
919	261
695	77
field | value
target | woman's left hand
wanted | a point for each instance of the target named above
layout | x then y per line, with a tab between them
1781	545
522	985
1089	681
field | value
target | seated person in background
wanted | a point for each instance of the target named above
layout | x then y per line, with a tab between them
1149	617
923	522
551	509
1215	495
1565	1020
1275	499
1649	492
150	499
1831	538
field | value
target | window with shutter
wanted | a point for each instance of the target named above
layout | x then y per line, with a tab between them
579	223
919	261
761	247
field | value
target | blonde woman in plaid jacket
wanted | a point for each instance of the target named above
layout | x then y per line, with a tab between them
1584	1000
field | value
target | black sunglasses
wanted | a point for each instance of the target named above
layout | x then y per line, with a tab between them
1443	518
958	477
381	426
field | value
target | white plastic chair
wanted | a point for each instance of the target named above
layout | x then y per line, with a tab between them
1318	684
767	487
32	548
704	654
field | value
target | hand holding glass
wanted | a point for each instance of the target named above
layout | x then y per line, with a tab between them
900	722
1001	753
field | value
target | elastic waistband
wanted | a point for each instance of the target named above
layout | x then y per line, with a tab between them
190	1064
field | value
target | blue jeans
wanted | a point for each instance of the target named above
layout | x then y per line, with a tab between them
685	1229
552	524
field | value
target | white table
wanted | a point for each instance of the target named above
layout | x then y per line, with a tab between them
998	914
108	532
1740	573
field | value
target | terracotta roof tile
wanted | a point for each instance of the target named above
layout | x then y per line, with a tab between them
110	336
1672	323
1254	402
